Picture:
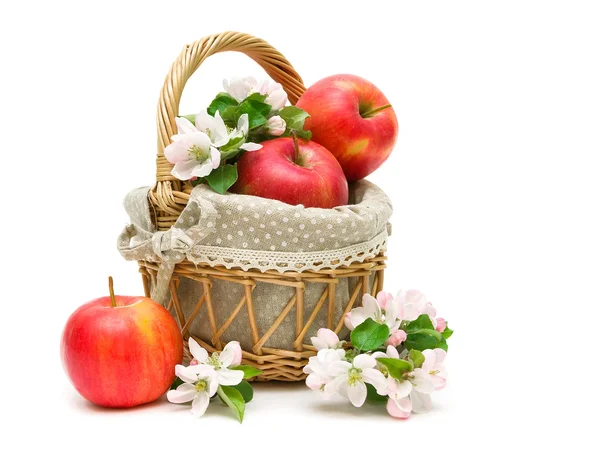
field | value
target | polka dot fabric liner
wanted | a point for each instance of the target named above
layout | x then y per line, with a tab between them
247	232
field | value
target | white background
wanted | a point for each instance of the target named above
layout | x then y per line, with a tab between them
494	181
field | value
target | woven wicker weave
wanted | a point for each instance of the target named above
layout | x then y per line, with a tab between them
170	196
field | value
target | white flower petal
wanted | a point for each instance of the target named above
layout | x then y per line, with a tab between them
357	393
364	361
215	157
184	393
177	152
213	385
250	146
199	354
315	382
337	385
376	379
202	170
392	352
184	126
330	338
228	353
242	124
228	377
422	382
200	403
398	389
199	139
187	374
339	368
400	408
421	403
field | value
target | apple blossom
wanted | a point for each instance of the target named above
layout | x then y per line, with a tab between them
371	309
275	126
191	152
276	96
326	339
349	379
434	367
318	367
222	362
411	304
199	385
242	87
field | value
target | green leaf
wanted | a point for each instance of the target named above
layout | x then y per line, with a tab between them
369	335
256	97
294	117
229	116
220	103
246	390
416	357
447	332
249	371
178	382
422	340
442	344
233	144
234	399
421	322
373	397
396	367
222	178
257	112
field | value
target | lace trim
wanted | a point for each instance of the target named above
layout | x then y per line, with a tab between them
287	261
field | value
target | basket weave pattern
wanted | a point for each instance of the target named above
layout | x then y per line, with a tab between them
170	196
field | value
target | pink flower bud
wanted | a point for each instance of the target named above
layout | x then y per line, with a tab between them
237	354
400	409
348	322
397	338
440	324
276	126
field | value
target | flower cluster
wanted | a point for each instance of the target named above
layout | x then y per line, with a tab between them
395	356
208	145
220	374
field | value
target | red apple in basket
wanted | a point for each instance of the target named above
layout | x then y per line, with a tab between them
293	171
352	119
121	351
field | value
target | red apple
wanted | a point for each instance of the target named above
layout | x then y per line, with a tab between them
124	355
352	119
293	171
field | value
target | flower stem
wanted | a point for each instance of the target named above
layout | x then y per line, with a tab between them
293	133
113	300
372	112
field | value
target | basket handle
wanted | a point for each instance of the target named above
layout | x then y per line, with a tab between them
190	59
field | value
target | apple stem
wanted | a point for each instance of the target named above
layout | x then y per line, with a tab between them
295	138
371	113
113	300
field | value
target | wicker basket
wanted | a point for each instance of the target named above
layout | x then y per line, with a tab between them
169	197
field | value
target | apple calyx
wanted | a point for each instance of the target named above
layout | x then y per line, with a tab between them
372	112
111	290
